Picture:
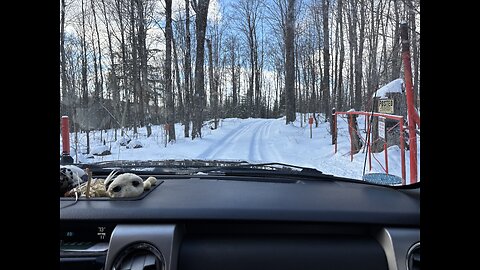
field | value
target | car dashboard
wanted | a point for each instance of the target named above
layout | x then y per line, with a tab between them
226	222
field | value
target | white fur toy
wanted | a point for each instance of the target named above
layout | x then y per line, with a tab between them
126	185
70	177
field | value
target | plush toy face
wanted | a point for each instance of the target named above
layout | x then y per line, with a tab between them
126	185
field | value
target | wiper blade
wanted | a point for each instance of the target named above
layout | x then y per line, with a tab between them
263	169
157	167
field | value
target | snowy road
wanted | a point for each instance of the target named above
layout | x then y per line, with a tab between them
254	140
250	141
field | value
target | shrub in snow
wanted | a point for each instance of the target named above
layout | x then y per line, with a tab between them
134	144
123	141
101	150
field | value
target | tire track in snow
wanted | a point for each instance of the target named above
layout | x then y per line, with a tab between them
272	148
226	142
256	143
250	141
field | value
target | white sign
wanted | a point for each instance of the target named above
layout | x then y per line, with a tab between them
381	127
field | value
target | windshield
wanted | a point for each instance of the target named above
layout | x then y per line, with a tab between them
328	85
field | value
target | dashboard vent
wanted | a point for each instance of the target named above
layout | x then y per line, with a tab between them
413	257
139	256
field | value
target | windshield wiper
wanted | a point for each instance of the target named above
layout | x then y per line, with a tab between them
211	168
274	169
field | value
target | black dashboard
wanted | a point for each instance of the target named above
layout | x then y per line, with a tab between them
225	222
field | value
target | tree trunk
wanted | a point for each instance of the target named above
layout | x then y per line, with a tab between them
113	81
135	75
201	8
233	67
142	54
213	85
181	107
326	61
415	54
396	60
84	62
168	72
358	71
290	63
100	83
188	73
339	106
125	66
96	91
65	97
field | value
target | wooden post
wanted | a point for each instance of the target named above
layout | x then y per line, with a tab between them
355	142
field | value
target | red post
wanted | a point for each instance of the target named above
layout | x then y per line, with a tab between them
369	155
310	122
402	151
369	146
412	113
386	157
367	122
65	136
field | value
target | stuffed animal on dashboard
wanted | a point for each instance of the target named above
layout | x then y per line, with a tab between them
128	185
123	186
70	177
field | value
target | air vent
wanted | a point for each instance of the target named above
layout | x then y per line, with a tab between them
413	257
140	256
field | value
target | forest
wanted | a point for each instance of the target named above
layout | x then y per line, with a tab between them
126	64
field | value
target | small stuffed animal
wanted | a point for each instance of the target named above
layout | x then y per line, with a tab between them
129	185
123	186
70	177
97	187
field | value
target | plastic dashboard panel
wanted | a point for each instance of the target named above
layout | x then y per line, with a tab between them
219	224
313	201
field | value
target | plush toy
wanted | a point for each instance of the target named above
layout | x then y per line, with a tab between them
97	187
70	177
123	186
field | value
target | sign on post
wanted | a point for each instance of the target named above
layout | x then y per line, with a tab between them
385	106
381	127
310	122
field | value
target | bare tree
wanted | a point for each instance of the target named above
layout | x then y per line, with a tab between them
415	49
290	62
359	53
99	84
63	61
181	107
342	56
201	9
142	54
168	72
396	60
213	84
113	82
326	59
188	72
248	19
84	61
232	44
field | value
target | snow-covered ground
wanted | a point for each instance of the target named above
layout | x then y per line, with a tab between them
253	140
